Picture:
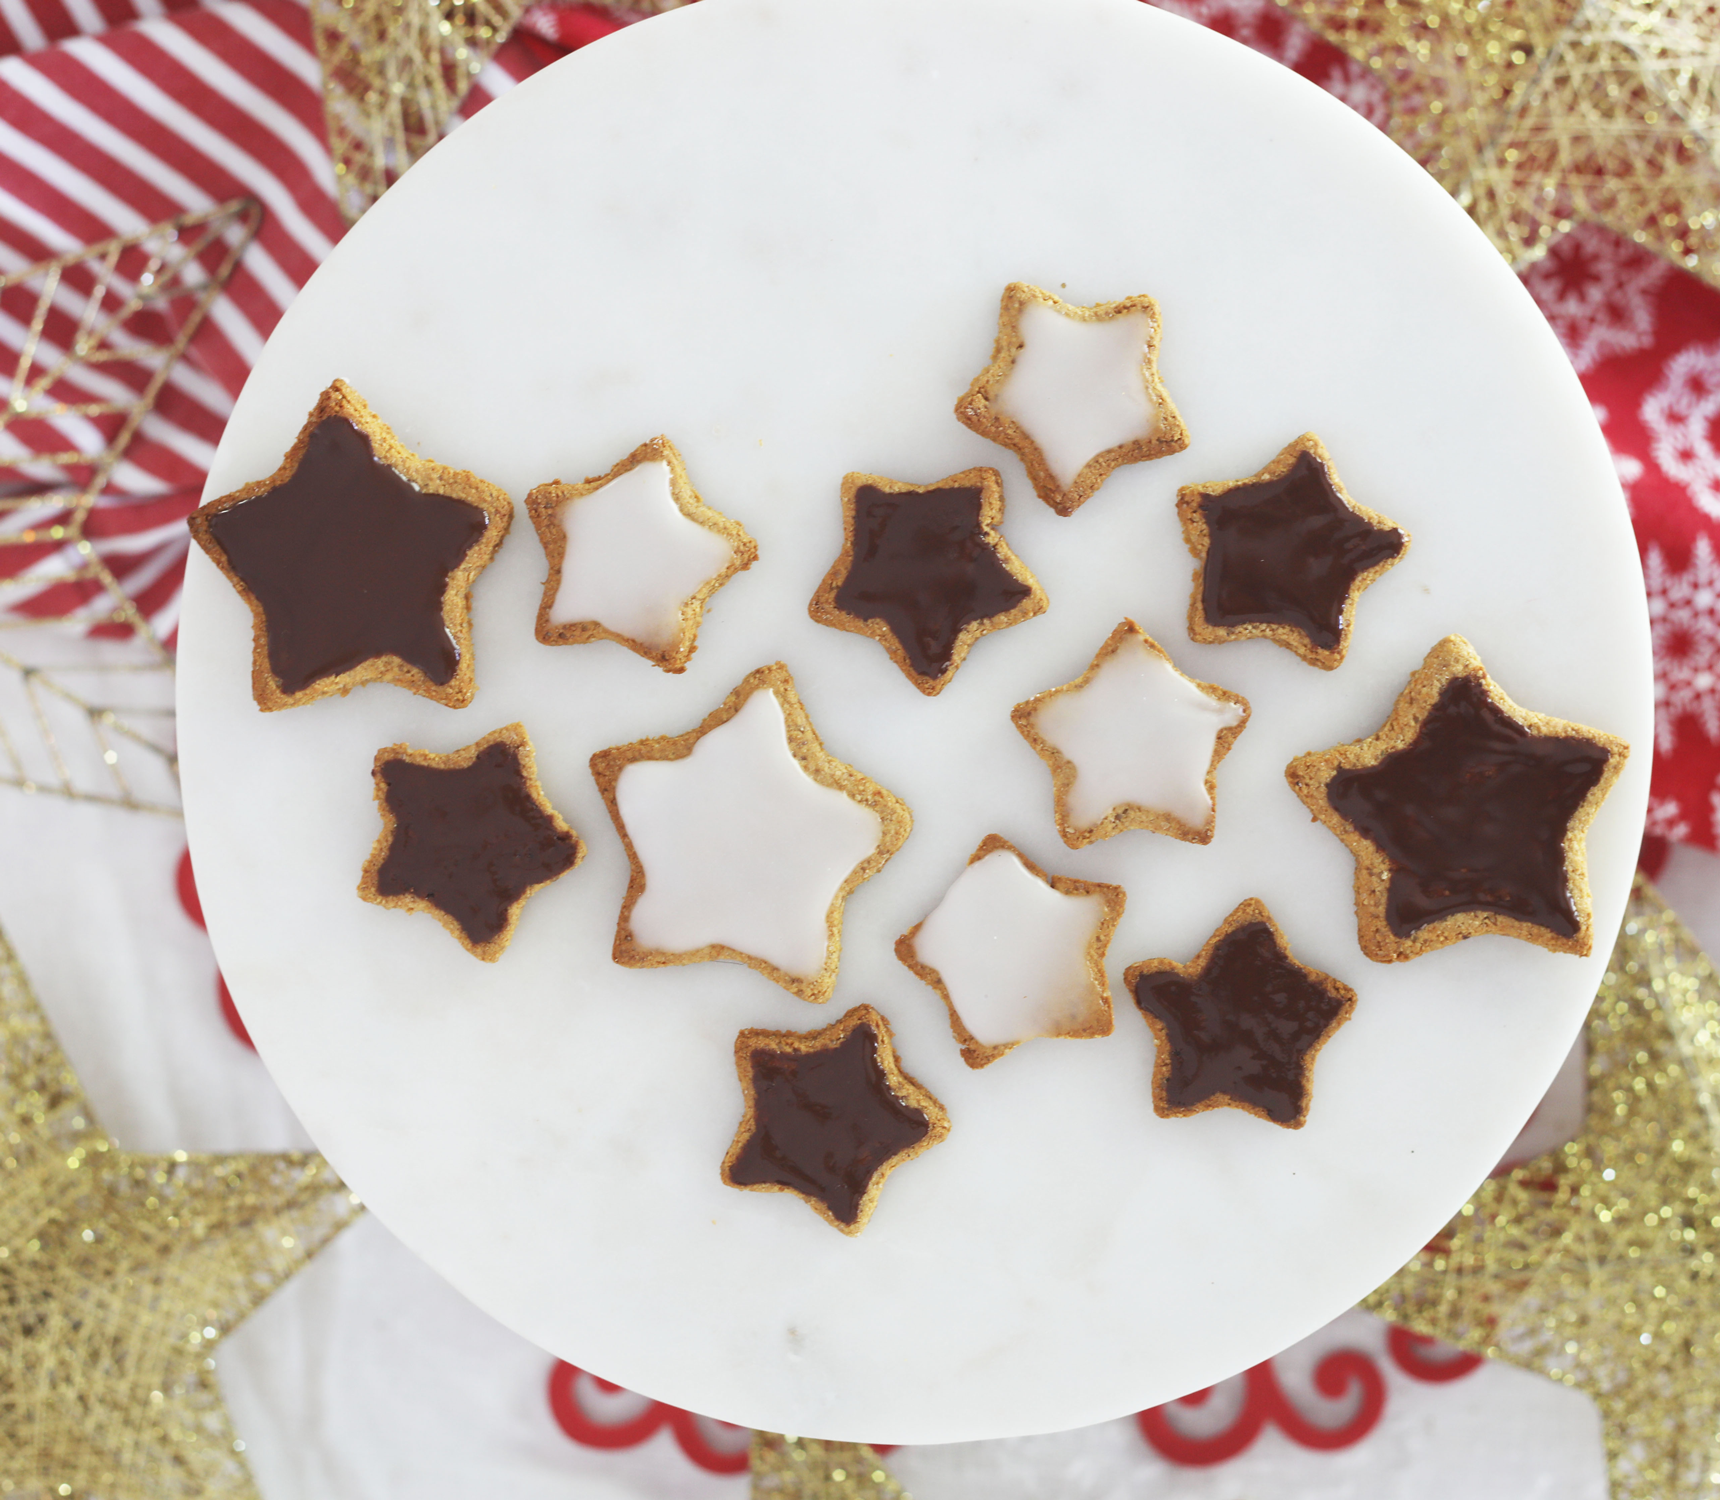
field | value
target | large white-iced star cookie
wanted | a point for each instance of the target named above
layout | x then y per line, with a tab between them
1075	391
745	837
1132	743
633	557
1016	953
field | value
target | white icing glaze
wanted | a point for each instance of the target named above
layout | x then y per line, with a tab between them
739	845
1078	387
1139	732
633	558
1012	952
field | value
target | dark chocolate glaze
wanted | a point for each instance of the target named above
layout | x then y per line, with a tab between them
1243	1027
1472	814
825	1123
1286	552
472	842
924	566
349	561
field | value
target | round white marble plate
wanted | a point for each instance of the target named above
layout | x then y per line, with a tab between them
777	230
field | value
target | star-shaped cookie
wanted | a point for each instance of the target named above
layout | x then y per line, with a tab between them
829	1115
357	559
1241	1024
925	572
1132	743
744	838
466	837
1284	554
1015	953
634	555
1074	391
1466	814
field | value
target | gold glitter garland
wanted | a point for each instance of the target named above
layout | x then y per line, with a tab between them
1595	1264
119	1273
796	1468
1536	114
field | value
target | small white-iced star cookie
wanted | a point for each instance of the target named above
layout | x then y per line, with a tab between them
633	557
1016	953
1075	391
1132	743
745	837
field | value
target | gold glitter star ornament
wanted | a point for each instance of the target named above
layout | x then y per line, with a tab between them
797	1468
119	1274
1595	1264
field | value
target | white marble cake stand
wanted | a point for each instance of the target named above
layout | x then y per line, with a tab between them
777	230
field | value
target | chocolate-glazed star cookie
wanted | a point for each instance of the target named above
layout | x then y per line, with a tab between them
1241	1024
466	837
1466	814
925	572
829	1115
357	559
1284	554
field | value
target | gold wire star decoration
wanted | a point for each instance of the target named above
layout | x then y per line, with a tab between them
395	71
1537	114
104	326
119	1275
95	729
101	330
1594	1264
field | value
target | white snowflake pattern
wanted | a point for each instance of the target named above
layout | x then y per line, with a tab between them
1666	818
1679	414
1684	617
1597	290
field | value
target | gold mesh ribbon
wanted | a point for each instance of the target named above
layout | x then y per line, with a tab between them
1594	1265
119	1275
1536	114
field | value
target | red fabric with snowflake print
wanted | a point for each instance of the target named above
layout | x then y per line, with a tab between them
1645	339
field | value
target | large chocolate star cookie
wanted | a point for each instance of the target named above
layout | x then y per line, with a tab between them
1466	814
357	558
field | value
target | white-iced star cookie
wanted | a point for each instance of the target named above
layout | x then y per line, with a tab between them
745	837
1132	743
1075	391
1016	953
633	557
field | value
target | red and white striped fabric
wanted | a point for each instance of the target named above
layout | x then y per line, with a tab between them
130	117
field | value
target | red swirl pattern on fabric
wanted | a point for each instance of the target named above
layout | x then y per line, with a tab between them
690	1431
1338	1375
1425	1358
